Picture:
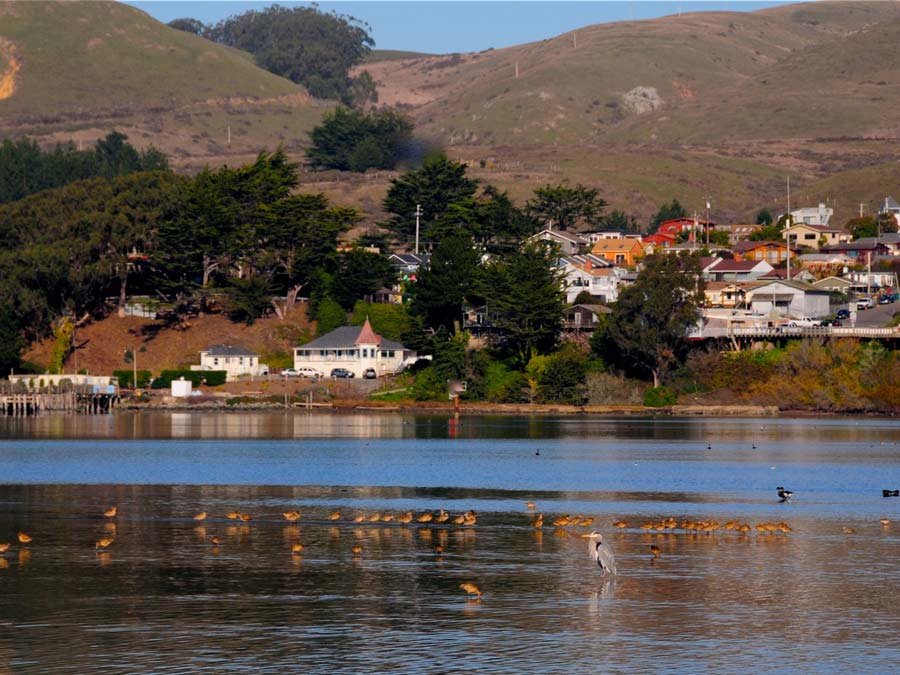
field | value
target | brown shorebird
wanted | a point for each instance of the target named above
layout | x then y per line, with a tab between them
111	512
105	542
200	516
471	589
24	538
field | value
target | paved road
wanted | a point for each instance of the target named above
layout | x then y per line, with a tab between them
878	316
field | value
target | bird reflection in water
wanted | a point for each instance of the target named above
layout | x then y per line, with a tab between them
603	595
24	557
200	531
290	532
104	558
4	564
110	528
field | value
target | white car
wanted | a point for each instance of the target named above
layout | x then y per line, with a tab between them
311	373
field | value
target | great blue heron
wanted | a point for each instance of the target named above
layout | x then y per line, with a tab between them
601	553
784	495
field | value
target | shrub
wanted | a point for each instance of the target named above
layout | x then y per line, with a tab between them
126	378
562	379
429	386
211	378
658	397
503	385
329	315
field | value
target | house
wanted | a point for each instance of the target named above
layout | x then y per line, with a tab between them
386	296
814	235
789	299
676	226
620	252
736	270
773	252
236	361
596	235
727	294
891	240
737	231
408	264
826	260
860	251
583	318
569	243
892	207
812	215
355	348
659	240
590	273
833	284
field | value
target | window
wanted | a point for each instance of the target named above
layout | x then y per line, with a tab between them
809	237
215	361
388	353
620	259
365	352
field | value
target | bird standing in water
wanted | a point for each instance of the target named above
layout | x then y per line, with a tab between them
601	553
471	589
111	512
784	495
23	538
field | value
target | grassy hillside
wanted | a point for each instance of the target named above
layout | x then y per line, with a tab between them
708	76
86	66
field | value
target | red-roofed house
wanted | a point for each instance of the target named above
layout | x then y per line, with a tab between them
737	270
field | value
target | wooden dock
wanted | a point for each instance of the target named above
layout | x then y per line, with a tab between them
85	402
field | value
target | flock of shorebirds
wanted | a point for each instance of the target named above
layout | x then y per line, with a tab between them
470	519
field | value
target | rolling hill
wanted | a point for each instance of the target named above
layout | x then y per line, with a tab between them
78	68
719	105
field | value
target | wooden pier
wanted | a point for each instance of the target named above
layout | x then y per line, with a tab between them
14	401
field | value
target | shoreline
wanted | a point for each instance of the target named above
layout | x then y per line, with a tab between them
347	406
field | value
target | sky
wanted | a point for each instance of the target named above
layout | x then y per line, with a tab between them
464	26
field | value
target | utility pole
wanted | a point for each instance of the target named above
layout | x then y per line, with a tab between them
134	384
707	222
418	215
574	40
517	70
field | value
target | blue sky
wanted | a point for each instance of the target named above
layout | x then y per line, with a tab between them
445	27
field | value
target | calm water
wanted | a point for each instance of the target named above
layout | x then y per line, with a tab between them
164	599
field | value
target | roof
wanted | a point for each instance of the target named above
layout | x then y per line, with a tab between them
561	234
596	309
590	264
832	281
409	259
891	203
818	228
615	245
347	337
726	265
864	244
799	285
744	246
822	257
228	350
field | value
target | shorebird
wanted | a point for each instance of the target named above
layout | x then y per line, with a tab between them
884	521
359	518
784	495
291	516
200	516
375	517
232	515
442	517
111	512
539	521
530	505
425	518
103	543
357	550
848	530
601	553
24	538
4	547
438	549
620	524
297	548
335	516
246	517
215	541
471	589
405	518
654	549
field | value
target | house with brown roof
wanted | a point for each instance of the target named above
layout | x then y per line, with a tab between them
590	273
773	252
620	252
736	270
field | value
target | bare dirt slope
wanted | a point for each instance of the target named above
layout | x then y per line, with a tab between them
101	345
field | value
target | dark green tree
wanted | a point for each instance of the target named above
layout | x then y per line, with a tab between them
562	207
442	286
620	222
764	217
248	299
358	274
666	212
524	293
356	140
562	381
189	25
650	322
329	315
11	340
305	45
435	187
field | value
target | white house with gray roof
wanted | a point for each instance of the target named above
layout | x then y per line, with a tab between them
355	348
236	361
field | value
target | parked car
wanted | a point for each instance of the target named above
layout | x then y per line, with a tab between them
832	322
864	303
842	314
341	373
885	299
290	372
370	374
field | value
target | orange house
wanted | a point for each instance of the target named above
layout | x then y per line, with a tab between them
621	252
773	252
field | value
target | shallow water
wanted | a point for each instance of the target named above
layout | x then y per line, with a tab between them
163	599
